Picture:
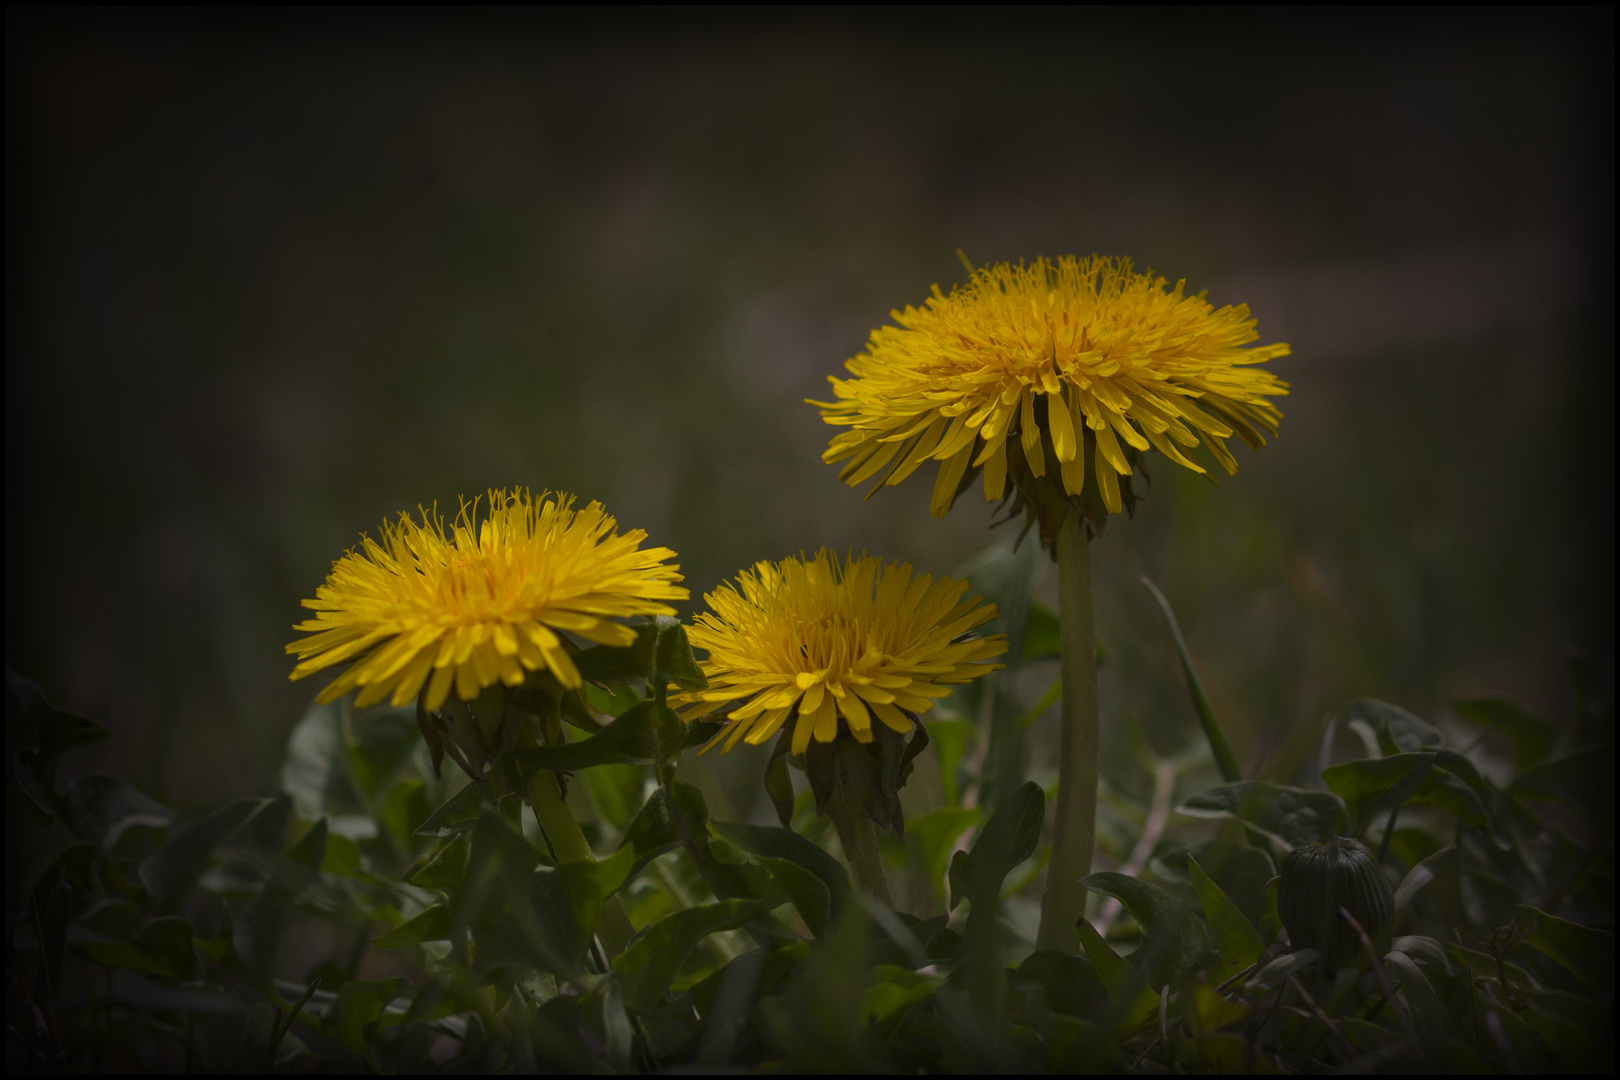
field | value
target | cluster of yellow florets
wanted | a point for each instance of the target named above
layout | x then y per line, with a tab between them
1097	347
482	602
817	640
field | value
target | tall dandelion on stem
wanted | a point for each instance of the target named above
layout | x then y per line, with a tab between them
448	617
1056	377
841	658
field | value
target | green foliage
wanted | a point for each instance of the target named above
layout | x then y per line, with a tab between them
1287	816
383	913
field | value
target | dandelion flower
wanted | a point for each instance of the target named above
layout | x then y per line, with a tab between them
485	602
818	640
1083	352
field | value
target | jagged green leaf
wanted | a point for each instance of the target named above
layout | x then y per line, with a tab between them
442	869
1583	780
101	808
1531	736
1398	731
776	843
934	835
169	873
1588	953
808	892
314	772
1419	876
1287	815
382	744
1234	936
55	732
356	1012
1070	983
459	813
163	949
256	936
72	865
1176	943
1370	786
1132	999
1042	637
1007	840
654	830
950	739
433	924
647	966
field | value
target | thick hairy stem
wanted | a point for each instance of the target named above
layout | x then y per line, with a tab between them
1074	835
859	842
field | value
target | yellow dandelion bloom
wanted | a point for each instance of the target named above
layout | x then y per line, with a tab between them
824	640
1063	348
483	602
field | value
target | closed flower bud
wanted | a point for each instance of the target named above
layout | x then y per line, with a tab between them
1320	879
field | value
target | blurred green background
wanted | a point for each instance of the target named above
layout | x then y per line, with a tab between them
274	277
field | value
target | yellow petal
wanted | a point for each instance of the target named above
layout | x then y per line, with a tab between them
1108	481
995	473
893	717
950	475
1030	436
1061	423
855	712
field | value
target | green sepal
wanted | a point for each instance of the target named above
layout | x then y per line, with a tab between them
675	661
635	738
778	785
620	664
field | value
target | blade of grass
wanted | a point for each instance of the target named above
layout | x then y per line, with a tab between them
1218	746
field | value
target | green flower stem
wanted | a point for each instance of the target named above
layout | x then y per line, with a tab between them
1075	832
860	843
570	846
